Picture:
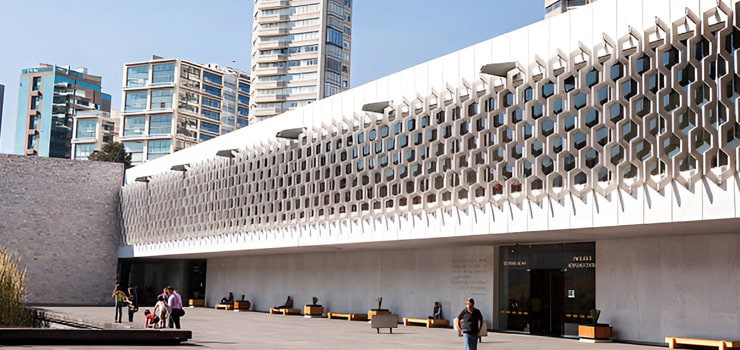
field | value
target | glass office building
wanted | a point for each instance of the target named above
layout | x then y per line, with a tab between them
49	98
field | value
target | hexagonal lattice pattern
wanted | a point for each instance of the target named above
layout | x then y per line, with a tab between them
646	109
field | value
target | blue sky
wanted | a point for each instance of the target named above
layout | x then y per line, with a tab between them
102	35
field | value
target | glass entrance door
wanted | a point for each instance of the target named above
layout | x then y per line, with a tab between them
546	289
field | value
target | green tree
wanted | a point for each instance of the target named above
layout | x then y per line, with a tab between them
112	152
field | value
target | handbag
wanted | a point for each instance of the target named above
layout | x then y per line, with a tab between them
133	308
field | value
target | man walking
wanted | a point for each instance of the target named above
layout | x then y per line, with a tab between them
469	324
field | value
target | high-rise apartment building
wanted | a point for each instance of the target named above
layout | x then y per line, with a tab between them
556	7
49	98
92	129
300	53
171	104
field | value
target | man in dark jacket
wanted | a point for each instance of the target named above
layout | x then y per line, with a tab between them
469	323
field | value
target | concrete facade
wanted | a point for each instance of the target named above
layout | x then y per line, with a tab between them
613	125
60	219
408	280
653	287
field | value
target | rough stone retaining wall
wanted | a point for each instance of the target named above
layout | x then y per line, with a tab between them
59	217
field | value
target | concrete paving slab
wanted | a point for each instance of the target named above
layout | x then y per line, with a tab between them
221	329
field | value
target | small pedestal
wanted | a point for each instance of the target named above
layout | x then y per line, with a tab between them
600	333
374	312
313	311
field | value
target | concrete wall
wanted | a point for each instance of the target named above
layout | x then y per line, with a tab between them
60	218
410	281
689	286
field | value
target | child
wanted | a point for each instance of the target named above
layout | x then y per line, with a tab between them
151	319
162	312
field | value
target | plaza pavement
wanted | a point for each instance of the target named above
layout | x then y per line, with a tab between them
220	329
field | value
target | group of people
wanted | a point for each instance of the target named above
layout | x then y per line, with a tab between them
167	311
123	299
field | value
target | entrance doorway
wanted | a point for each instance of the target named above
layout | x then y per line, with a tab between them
547	301
546	289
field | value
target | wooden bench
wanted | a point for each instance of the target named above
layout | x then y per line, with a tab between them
483	332
224	306
720	344
196	302
240	305
285	311
384	321
349	317
426	321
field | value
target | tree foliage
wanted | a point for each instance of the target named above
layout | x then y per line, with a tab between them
112	152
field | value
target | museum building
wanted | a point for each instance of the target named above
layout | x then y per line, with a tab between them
589	160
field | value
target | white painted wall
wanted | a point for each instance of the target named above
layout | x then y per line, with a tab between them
410	281
687	286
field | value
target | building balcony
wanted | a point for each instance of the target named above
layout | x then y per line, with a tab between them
271	45
266	112
269	98
274	31
273	19
270	84
271	58
273	4
271	71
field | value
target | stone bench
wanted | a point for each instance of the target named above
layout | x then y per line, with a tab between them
720	344
384	321
285	311
349	317
426	321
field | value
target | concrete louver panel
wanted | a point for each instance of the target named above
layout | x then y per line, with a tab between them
649	108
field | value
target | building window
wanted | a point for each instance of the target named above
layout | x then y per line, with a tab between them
210	127
36	85
244	87
33	123
211	102
137	76
241	122
32	142
334	36
210	114
204	137
137	151
133	126
212	78
162	99
160	124
135	101
158	149
212	90
163	73
244	100
35	102
86	129
83	151
242	111
187	128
